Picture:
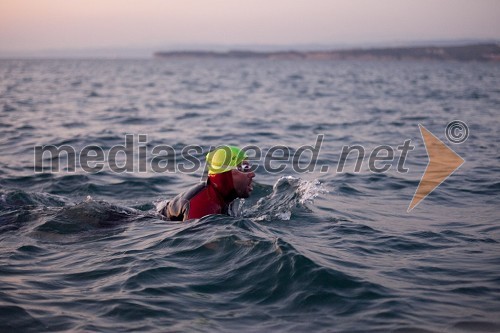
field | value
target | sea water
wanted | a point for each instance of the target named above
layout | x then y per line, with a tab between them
327	250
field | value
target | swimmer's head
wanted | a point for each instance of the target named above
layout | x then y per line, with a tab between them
224	159
230	172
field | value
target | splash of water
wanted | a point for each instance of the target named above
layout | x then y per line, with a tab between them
288	193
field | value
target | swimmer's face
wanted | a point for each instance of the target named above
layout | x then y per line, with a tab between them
242	179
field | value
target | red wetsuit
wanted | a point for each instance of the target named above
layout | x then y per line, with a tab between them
211	197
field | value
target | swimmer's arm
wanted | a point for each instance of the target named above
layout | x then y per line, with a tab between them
177	209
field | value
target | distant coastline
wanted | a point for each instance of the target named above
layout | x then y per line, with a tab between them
487	52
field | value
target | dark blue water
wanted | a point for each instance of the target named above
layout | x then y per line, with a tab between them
318	251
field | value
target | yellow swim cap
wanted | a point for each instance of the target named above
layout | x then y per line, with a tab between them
224	158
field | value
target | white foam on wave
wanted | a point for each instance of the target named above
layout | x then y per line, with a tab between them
308	190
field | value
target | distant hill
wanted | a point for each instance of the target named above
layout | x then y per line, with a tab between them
477	52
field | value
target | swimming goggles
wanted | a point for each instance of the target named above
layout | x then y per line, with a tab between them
244	167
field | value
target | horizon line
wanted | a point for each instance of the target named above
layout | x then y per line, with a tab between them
141	52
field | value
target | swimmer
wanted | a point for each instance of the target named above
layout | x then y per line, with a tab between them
230	176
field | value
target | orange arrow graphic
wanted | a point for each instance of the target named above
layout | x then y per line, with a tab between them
442	163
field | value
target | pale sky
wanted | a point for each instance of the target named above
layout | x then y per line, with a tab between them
30	25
